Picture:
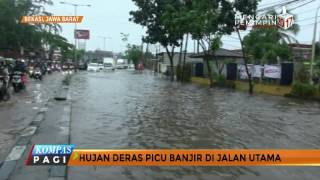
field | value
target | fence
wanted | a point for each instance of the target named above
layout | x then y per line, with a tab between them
277	74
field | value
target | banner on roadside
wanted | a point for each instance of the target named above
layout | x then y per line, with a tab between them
257	72
272	71
243	72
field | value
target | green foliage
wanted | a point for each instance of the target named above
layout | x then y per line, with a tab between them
179	72
265	45
35	38
160	19
80	54
318	49
133	54
303	90
184	75
303	75
221	81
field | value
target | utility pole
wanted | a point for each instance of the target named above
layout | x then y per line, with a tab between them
142	54
104	41
75	25
314	43
198	47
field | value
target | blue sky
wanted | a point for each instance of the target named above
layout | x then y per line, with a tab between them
109	18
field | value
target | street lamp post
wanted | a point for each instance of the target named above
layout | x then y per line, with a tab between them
104	41
75	24
314	43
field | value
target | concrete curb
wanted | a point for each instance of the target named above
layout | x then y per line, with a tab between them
21	145
8	166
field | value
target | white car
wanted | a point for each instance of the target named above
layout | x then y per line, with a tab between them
93	67
108	66
101	67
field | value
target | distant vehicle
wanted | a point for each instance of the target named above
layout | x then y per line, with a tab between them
82	66
101	67
108	64
4	88
68	68
122	64
37	74
93	67
17	81
131	66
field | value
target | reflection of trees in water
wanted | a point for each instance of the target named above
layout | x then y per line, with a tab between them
176	116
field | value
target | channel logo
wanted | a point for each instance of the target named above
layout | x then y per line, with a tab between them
57	155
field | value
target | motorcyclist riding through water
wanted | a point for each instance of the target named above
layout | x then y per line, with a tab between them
19	75
4	82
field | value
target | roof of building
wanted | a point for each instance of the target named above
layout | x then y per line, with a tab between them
225	53
296	45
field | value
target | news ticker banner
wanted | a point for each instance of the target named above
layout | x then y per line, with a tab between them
50	19
68	155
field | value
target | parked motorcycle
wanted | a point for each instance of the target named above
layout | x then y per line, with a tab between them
4	88
17	82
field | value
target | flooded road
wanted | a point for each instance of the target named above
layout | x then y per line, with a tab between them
16	114
128	110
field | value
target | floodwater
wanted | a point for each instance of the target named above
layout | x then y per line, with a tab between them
129	110
16	114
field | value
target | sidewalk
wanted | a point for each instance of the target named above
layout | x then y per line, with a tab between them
50	127
275	90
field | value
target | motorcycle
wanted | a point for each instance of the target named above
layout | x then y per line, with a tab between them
30	71
49	70
4	88
17	82
37	74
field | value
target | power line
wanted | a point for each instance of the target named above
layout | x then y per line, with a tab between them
309	24
272	4
278	5
302	5
306	19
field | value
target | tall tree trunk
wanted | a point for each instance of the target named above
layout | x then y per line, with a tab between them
180	61
181	49
171	56
246	64
184	58
207	59
198	46
217	65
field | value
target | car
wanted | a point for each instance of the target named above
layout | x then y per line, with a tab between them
108	66
93	67
101	67
122	64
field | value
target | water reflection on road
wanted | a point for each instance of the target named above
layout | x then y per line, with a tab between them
125	109
17	114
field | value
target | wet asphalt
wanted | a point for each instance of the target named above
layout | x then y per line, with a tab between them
130	110
16	115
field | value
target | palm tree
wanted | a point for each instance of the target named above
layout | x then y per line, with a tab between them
287	36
